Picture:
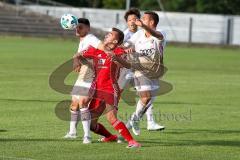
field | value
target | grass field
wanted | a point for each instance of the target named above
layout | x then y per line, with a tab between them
201	113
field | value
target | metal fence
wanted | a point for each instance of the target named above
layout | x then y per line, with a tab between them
180	27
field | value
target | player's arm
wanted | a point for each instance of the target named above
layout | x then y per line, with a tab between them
80	59
153	32
119	60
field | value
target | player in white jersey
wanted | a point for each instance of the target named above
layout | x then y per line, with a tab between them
79	107
126	74
130	17
148	44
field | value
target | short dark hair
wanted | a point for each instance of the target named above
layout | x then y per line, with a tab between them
154	16
84	21
120	35
133	11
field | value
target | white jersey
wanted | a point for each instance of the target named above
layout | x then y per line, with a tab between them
127	35
125	74
147	47
85	77
88	40
86	73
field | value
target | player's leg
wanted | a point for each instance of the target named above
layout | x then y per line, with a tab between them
85	117
97	109
119	126
141	108
74	111
144	87
151	124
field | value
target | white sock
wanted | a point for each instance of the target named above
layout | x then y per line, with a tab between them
149	112
137	115
86	121
149	115
73	122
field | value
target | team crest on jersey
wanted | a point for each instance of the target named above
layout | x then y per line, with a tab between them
101	61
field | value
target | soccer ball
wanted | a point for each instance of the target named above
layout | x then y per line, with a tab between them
69	21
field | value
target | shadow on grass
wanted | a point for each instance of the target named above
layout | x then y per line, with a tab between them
27	100
3	130
145	143
157	142
201	131
156	102
37	140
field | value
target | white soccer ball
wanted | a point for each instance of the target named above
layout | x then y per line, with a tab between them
69	21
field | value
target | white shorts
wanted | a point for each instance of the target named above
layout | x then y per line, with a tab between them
143	83
124	78
80	88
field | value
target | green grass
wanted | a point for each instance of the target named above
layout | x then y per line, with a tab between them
206	83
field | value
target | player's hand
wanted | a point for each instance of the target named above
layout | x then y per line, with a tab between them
76	62
77	69
139	22
129	50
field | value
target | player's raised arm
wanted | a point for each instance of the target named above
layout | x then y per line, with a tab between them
120	61
80	59
153	32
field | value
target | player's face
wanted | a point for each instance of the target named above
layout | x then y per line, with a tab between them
131	22
111	40
147	20
82	30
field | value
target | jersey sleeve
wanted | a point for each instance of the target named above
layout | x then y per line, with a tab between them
89	53
93	41
119	51
135	36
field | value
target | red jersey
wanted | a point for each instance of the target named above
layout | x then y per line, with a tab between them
106	73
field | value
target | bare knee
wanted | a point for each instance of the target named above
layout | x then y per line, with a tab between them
83	102
74	105
145	100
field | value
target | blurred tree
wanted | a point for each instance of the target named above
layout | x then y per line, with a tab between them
219	7
114	4
195	6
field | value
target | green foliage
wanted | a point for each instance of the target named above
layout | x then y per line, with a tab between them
219	7
114	4
194	6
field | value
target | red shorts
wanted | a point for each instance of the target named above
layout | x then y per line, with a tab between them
110	95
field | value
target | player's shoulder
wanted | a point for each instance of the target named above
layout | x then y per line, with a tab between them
126	31
162	32
91	36
91	49
139	32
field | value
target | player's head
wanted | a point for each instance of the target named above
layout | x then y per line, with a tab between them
113	38
83	27
150	19
130	16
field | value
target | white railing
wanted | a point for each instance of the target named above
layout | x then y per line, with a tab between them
185	27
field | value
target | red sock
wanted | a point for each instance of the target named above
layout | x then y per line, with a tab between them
101	130
122	129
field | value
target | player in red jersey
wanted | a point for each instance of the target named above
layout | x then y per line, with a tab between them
105	87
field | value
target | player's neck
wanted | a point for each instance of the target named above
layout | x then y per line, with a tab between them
81	38
148	34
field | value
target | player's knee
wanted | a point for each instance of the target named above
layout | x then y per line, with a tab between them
83	102
74	106
145	100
